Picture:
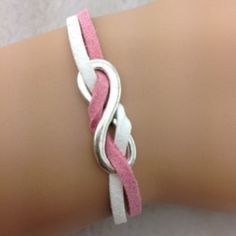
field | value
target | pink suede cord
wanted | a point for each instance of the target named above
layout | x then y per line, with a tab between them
95	110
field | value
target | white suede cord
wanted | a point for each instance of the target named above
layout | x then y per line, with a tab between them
123	125
123	130
79	52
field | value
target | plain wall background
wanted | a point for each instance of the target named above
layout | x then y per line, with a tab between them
25	18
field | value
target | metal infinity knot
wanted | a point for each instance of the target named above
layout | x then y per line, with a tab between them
109	114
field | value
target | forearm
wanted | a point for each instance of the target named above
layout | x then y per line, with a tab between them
184	143
49	175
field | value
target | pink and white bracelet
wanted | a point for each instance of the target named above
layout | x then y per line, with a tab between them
99	83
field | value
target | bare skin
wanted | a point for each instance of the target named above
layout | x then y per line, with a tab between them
176	60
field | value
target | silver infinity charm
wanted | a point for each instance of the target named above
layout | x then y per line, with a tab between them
109	114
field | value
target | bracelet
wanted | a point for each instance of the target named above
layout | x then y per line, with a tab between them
99	83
